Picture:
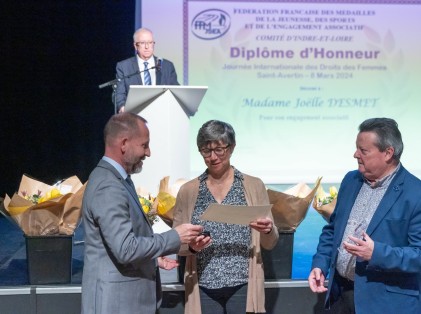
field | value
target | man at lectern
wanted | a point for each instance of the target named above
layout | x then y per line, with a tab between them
143	69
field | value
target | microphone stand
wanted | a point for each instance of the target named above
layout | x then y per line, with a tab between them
114	83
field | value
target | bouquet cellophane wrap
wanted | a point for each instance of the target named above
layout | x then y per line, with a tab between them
56	215
165	200
291	206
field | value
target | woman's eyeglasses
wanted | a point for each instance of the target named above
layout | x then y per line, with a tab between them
219	151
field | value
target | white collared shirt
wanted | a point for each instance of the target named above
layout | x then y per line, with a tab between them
152	72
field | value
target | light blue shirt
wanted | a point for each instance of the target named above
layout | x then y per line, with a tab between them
117	166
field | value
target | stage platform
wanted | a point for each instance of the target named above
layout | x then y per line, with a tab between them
286	297
17	296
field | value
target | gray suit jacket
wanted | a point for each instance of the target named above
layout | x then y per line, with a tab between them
127	70
120	273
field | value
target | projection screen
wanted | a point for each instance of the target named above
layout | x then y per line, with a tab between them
295	78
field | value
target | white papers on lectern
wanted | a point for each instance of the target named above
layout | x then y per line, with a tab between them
235	214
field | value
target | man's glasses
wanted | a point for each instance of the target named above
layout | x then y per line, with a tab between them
145	43
219	151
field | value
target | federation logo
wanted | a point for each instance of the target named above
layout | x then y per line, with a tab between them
210	24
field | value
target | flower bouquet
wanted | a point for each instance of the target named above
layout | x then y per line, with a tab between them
40	209
290	207
148	209
162	205
324	202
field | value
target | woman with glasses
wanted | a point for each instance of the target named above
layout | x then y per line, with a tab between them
224	271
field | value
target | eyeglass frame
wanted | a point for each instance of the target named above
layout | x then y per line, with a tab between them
144	43
221	154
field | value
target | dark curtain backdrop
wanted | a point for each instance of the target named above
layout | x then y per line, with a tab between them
54	54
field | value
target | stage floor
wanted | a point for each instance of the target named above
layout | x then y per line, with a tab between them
18	296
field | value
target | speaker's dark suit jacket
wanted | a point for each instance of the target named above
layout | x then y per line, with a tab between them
120	273
390	281
165	75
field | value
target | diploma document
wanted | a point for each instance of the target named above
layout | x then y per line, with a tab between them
235	214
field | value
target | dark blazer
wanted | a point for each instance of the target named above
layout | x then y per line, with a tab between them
391	281
165	75
120	273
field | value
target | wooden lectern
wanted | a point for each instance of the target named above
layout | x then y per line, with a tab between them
167	109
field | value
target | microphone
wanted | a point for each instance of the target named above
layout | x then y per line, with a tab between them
119	79
151	68
157	66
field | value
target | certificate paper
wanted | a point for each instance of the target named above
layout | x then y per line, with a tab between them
234	214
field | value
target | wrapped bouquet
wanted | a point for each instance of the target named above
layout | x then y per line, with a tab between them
162	205
147	207
324	202
42	209
290	207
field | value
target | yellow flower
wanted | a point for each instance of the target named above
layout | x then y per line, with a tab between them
323	198
148	208
53	193
145	204
333	192
36	198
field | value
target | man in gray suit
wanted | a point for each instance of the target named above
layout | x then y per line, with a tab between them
142	69
122	254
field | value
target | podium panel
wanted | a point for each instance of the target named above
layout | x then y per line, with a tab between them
169	143
167	110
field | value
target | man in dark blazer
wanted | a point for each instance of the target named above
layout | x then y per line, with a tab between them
142	69
122	254
371	247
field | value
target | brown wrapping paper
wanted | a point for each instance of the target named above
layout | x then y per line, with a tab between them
72	212
291	206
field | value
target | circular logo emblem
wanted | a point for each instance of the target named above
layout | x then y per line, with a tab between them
210	24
